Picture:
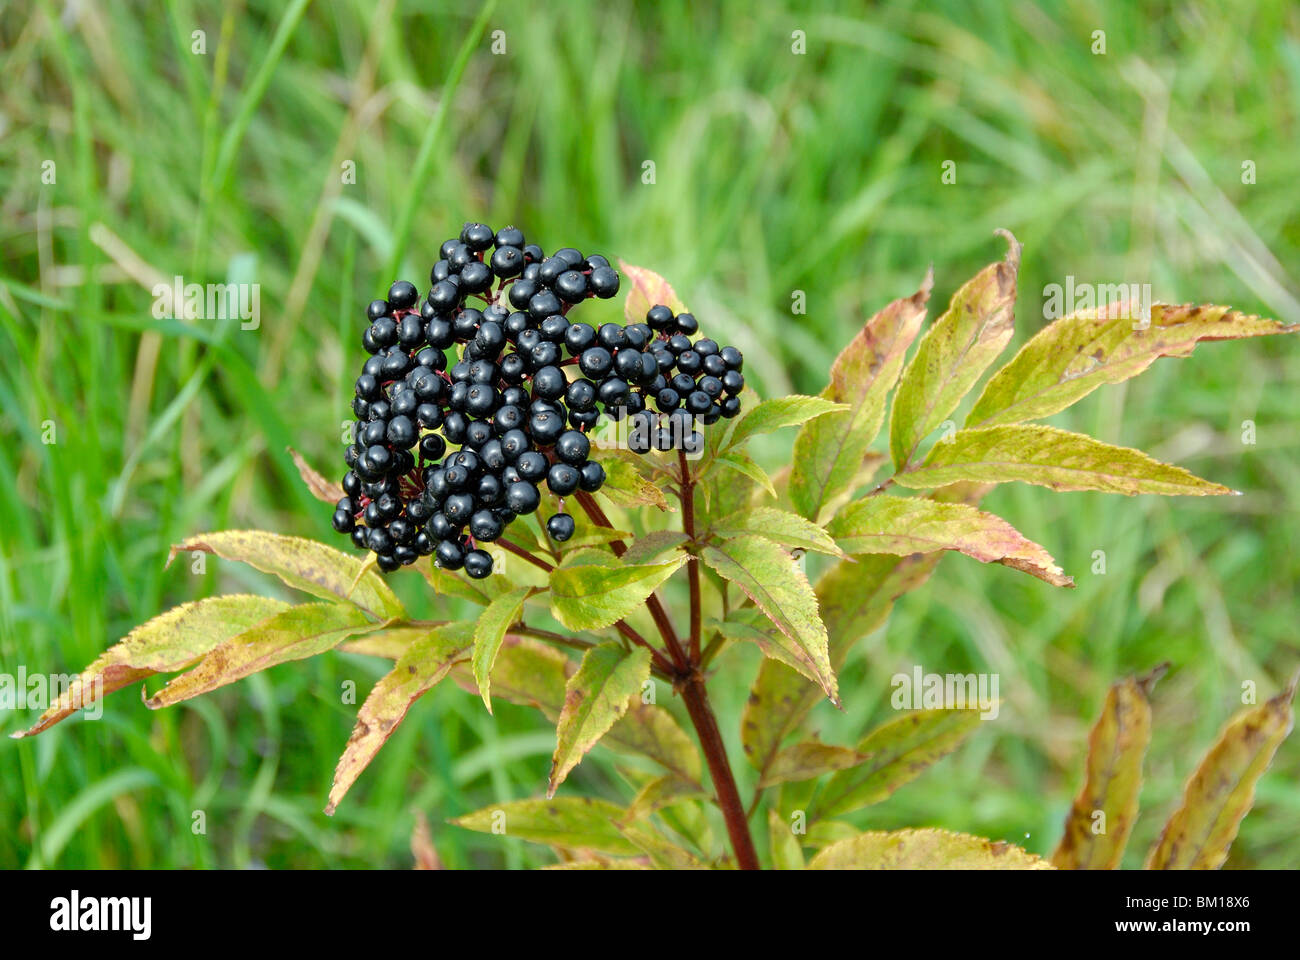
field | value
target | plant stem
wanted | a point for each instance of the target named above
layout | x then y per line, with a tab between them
519	551
656	607
724	784
693	564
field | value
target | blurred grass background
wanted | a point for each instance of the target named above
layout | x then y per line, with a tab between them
774	172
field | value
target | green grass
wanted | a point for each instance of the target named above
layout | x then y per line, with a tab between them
774	173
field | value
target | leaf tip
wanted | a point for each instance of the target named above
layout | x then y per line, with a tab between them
1014	247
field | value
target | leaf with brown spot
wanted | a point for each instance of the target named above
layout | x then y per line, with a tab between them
1073	356
1114	776
908	525
296	633
1222	790
303	564
170	642
429	656
829	452
953	354
320	488
595	697
1048	457
928	849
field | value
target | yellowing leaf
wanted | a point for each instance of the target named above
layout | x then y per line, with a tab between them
953	353
1032	453
787	854
646	289
297	633
625	486
830	450
778	587
1098	824
500	615
807	760
304	565
788	529
429	656
595	697
1222	790
445	583
896	754
571	823
753	626
169	642
1073	356
929	849
654	546
907	525
780	412
590	596
660	793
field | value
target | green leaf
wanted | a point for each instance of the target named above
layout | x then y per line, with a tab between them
297	633
742	463
591	596
304	565
787	854
501	614
169	642
646	289
447	584
1222	790
780	412
896	754
778	587
428	657
660	793
1032	453
654	546
1068	359
953	353
663	853
808	760
829	451
788	529
907	525
929	849
595	697
571	823
1115	751
748	625
652	731
625	486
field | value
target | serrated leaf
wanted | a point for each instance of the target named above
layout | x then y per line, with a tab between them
1070	358
748	625
646	289
447	584
1048	457
808	760
169	642
654	546
571	823
788	529
304	565
297	633
590	596
907	525
787	854
1222	790
625	486
1114	776
854	599
322	489
778	587
595	697
660	793
896	753
830	450
780	412
501	614
742	463
429	655
959	347
928	849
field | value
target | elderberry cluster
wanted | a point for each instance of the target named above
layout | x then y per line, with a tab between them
495	383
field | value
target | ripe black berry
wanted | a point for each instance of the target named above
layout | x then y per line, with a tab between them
560	527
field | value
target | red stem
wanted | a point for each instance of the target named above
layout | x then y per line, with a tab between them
687	494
